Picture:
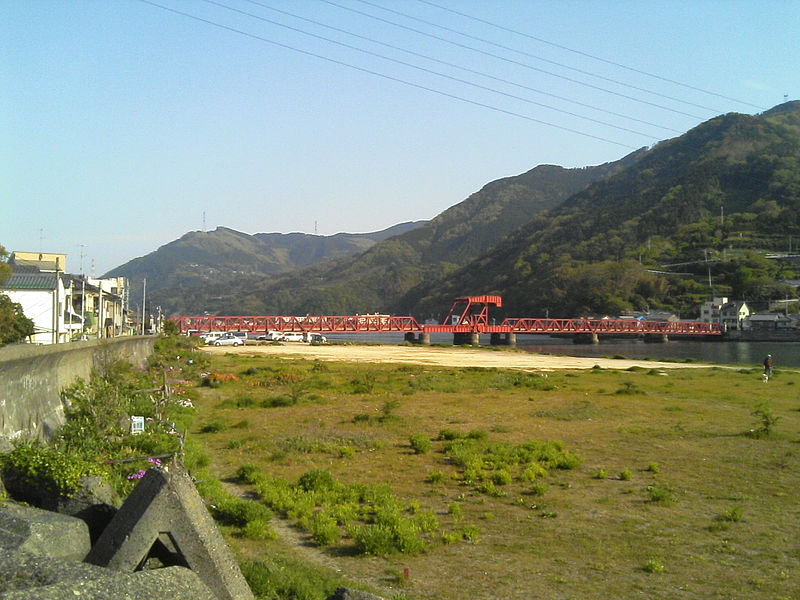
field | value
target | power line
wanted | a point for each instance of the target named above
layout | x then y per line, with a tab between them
430	71
384	76
546	60
467	69
509	60
592	56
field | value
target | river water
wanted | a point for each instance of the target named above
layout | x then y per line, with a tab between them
786	354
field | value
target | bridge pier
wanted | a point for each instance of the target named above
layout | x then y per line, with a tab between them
585	338
656	338
461	339
409	337
503	339
425	338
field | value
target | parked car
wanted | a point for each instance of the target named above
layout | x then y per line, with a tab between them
292	336
209	337
270	336
314	338
228	339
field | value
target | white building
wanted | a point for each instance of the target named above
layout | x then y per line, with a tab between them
43	298
710	311
732	315
65	307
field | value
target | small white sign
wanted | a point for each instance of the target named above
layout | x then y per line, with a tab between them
137	424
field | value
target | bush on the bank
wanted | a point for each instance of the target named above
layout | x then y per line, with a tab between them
44	470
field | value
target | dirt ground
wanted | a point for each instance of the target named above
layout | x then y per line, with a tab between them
444	357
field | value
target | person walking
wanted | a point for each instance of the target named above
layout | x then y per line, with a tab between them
768	365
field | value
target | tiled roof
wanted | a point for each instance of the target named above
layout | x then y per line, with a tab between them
30	281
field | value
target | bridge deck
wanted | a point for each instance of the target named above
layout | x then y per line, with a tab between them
391	324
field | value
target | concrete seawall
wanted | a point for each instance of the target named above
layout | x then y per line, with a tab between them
32	377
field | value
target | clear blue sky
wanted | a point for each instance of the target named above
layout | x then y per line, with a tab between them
121	123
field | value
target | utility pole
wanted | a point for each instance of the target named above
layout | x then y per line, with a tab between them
100	311
144	296
83	305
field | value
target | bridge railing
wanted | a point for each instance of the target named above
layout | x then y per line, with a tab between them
610	326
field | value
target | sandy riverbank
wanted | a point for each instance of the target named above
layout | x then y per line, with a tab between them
445	357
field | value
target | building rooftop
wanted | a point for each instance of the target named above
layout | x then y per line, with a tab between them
25	280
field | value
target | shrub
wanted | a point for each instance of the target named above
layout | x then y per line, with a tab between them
387	411
538	489
653	565
625	475
478	434
248	473
601	474
426	521
324	529
501	477
278	401
455	510
377	540
280	577
732	515
345	451
471	533
447	435
451	537
363	383
533	471
435	477
47	470
316	480
653	467
659	494
258	529
629	388
420	443
767	421
214	427
231	510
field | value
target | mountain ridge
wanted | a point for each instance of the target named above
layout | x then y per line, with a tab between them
379	276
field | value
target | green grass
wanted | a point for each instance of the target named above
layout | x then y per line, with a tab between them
686	500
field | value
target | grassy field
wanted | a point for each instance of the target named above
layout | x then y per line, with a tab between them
686	484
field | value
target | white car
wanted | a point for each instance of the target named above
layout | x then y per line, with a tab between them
292	336
270	336
208	338
228	339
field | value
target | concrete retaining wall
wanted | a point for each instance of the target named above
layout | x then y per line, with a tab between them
32	377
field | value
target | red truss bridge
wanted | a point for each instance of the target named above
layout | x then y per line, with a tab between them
467	319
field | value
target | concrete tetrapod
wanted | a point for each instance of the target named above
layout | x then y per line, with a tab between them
42	532
165	509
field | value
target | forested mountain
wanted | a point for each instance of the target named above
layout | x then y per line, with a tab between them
379	277
201	257
714	200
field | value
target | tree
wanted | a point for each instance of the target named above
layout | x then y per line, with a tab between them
14	325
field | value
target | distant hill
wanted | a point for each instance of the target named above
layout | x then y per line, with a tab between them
378	278
728	191
201	257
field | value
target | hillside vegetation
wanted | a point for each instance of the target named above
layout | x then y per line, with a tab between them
377	278
727	191
664	228
202	257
